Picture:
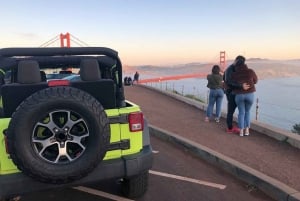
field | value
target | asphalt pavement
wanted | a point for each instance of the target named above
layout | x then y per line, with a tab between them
176	175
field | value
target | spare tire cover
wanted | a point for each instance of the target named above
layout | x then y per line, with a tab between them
58	134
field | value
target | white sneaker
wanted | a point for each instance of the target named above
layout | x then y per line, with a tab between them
247	131
241	132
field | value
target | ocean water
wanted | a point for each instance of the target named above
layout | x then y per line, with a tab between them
278	99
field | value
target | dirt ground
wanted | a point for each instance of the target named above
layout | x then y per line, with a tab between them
269	156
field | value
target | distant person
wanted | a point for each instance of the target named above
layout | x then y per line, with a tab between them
136	77
229	86
129	81
244	98
216	93
125	80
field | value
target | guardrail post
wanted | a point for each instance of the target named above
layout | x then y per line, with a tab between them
256	113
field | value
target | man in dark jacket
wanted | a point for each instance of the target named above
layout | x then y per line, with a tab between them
230	86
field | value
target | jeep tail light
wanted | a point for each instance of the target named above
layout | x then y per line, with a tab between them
136	121
54	83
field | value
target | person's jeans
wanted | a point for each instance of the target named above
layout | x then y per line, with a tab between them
244	103
231	105
215	96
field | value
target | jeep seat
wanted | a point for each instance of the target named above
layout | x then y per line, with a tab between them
28	72
28	82
43	76
89	70
104	90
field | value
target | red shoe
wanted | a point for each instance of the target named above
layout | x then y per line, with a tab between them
235	130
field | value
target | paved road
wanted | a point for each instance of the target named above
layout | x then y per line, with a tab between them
273	158
176	175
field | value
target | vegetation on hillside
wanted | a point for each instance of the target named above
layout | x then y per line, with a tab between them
264	68
194	98
296	129
190	96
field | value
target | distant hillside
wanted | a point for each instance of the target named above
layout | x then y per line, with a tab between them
264	68
274	69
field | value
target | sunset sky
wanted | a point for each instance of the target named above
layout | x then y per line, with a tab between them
160	32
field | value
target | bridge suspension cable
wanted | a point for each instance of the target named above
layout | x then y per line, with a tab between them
78	41
51	41
65	38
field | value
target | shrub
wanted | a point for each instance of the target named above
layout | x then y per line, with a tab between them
194	97
296	128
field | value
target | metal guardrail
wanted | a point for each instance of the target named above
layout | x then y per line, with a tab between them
266	129
203	95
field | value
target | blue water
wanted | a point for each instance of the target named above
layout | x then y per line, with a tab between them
278	98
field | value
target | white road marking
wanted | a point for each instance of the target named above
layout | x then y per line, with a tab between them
214	185
155	152
101	193
119	198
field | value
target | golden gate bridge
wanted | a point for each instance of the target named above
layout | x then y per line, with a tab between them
66	39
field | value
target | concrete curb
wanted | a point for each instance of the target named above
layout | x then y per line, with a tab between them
272	187
266	129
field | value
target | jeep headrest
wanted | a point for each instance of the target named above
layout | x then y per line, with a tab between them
28	72
89	70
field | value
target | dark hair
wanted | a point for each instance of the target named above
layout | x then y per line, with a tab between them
240	60
216	69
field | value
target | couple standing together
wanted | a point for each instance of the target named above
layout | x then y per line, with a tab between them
238	81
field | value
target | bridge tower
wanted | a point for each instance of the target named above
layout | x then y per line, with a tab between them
223	60
65	37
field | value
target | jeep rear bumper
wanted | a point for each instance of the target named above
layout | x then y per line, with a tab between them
127	166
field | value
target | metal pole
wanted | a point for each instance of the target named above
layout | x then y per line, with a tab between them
256	113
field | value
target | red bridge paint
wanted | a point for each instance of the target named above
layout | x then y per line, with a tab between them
174	77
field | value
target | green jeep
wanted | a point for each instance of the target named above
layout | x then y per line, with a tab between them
62	133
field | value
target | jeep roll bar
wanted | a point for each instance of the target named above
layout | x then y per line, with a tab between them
10	56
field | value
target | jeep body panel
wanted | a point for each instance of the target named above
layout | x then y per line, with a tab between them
18	183
119	130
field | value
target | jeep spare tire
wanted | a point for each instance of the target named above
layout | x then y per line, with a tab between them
58	135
